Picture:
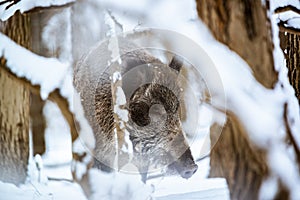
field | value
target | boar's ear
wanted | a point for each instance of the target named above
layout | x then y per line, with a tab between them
176	63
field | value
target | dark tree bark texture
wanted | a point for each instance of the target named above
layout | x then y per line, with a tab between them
290	44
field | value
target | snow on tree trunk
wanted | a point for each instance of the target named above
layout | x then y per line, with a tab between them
245	28
14	109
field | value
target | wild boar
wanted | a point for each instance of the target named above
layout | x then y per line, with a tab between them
153	95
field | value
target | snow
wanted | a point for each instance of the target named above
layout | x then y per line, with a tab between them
120	97
122	113
116	77
283	3
46	72
291	19
57	37
57	127
294	23
113	44
86	135
26	5
117	186
269	188
261	114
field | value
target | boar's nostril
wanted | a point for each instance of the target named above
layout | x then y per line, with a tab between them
189	171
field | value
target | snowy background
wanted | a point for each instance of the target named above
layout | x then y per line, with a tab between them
50	176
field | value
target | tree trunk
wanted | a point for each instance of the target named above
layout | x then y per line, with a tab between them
38	124
14	109
290	44
244	27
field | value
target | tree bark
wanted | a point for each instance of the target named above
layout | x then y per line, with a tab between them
38	124
14	109
243	26
290	44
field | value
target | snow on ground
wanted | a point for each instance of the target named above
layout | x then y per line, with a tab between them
54	190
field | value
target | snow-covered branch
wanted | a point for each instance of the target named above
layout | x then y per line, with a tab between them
51	79
288	26
287	8
9	7
288	15
281	5
48	73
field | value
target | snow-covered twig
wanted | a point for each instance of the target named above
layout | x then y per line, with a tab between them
287	8
123	143
8	8
288	14
281	5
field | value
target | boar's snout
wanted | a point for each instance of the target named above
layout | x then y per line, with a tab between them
189	171
185	165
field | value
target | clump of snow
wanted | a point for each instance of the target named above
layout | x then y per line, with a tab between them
122	113
269	188
113	44
116	77
284	3
121	98
46	72
57	136
42	178
294	23
56	35
86	133
26	5
115	186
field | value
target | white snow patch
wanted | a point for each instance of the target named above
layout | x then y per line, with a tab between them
116	76
269	188
294	23
115	186
283	3
57	136
56	35
86	132
120	97
46	72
